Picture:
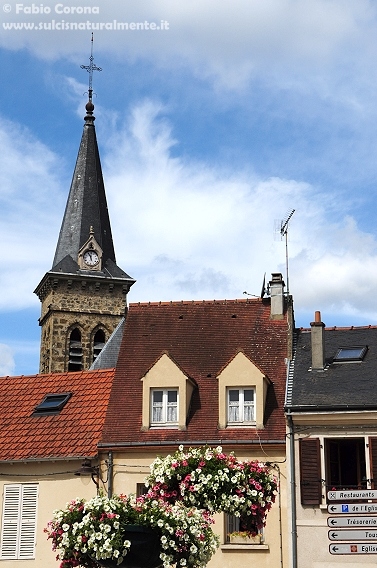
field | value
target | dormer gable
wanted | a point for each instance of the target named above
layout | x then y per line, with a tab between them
166	377
243	376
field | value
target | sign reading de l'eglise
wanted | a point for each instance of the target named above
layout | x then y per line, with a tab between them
352	494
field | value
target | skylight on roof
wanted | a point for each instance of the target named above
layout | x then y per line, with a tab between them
350	354
52	403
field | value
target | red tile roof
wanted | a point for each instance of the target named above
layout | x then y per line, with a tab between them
74	432
202	338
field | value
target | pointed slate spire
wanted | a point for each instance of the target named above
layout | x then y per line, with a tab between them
86	205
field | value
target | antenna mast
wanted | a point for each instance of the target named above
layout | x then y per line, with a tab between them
284	233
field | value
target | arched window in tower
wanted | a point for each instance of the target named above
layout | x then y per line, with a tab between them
98	343
75	351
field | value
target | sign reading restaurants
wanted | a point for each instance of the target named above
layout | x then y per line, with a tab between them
352	494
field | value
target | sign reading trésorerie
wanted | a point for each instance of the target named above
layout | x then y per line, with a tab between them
354	534
352	494
353	548
352	521
345	508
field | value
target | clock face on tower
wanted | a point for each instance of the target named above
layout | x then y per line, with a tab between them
91	258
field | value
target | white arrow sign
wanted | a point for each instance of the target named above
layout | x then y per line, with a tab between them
345	508
353	548
352	521
352	494
356	534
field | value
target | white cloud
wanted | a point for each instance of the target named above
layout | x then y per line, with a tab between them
183	228
7	364
229	41
29	194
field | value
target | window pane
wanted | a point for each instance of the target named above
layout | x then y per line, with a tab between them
248	413
172	414
157	413
248	395
157	396
172	396
234	395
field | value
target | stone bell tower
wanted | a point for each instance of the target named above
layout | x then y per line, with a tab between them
84	294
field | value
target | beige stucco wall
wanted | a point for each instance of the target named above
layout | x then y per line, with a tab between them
56	488
312	530
131	467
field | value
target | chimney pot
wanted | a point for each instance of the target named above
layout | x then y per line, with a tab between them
276	285
318	343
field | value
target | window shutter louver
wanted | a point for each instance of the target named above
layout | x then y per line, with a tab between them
310	471
11	511
28	521
19	521
373	461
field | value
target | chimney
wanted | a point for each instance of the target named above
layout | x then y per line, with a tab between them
318	343
276	286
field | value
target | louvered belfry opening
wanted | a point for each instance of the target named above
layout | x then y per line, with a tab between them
75	351
98	343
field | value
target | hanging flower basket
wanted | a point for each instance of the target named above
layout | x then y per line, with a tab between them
101	532
209	479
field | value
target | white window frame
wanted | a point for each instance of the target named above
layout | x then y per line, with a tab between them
165	406
19	521
242	406
232	524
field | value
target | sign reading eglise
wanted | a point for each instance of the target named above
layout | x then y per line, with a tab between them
353	548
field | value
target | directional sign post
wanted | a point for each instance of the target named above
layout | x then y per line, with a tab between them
352	494
353	548
347	508
352	521
355	534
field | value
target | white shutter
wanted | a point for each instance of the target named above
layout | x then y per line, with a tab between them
11	512
28	521
19	521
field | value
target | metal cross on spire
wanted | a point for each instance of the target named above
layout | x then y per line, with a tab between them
90	68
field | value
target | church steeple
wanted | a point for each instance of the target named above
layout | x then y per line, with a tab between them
86	206
84	294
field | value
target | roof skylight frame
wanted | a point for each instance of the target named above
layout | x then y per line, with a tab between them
52	403
350	354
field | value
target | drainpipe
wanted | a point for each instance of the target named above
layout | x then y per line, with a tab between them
110	476
293	489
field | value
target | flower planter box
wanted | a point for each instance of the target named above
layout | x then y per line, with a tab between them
240	539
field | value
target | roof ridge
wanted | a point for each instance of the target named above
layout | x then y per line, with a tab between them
194	302
340	328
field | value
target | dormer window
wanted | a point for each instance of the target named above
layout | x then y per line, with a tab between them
350	354
167	393
164	410
242	394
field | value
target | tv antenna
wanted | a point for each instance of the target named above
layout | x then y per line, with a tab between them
282	228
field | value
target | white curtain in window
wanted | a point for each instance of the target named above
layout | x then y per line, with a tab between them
172	406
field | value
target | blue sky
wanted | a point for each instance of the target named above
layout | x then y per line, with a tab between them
210	131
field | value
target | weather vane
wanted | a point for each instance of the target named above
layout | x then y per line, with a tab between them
90	68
